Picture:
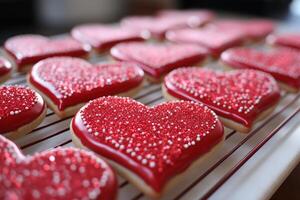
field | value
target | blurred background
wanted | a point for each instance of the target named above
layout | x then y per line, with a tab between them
58	16
51	17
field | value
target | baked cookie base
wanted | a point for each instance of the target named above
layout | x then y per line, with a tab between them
5	77
26	128
140	183
10	58
287	88
227	122
71	110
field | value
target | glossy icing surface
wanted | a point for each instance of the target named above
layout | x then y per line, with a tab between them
18	106
157	26
194	18
287	40
254	29
66	173
69	81
5	66
239	95
283	64
29	49
209	38
158	59
155	143
103	37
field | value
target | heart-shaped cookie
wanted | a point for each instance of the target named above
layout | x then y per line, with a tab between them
239	97
209	38
159	59
29	49
67	83
21	110
194	18
5	69
254	29
291	40
282	64
156	26
103	37
149	146
66	173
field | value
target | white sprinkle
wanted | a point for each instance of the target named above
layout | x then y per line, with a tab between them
36	194
152	164
144	161
85	183
52	158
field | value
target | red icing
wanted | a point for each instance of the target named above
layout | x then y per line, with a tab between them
158	59
155	143
239	95
291	40
209	38
193	18
104	37
18	106
157	26
29	49
5	67
69	81
66	173
254	29
283	64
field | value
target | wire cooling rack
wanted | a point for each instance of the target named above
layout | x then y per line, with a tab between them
237	151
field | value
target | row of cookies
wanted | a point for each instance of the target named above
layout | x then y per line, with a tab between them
151	147
67	83
59	79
